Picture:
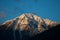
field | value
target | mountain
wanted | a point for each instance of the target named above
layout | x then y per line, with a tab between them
27	25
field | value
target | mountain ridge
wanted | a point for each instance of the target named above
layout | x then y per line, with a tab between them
29	22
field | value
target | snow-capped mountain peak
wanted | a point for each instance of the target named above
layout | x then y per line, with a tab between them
29	22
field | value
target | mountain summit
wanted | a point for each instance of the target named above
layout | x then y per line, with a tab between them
29	24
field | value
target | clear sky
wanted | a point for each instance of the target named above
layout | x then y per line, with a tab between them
10	9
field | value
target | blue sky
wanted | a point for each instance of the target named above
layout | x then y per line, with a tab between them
10	9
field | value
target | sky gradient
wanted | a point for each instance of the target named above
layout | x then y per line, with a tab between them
10	9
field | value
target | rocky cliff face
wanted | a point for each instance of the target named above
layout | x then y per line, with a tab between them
28	24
